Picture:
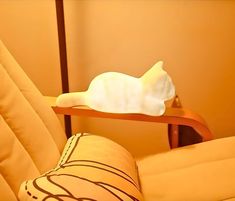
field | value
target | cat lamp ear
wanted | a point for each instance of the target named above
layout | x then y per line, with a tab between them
153	74
159	64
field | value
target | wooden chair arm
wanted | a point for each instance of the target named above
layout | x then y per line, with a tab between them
175	116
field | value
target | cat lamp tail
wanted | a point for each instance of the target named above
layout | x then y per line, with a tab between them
71	99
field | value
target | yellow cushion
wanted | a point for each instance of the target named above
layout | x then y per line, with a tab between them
92	168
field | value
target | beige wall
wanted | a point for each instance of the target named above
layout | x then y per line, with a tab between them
195	39
29	30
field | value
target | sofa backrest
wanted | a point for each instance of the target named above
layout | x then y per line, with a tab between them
31	137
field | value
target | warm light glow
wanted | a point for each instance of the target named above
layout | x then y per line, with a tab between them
120	93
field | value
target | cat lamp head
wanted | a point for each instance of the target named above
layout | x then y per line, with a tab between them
158	83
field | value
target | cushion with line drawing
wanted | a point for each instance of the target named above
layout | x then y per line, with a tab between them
91	168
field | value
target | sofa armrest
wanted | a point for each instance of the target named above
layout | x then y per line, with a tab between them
175	116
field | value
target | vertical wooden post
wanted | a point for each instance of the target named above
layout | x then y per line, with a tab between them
173	130
63	58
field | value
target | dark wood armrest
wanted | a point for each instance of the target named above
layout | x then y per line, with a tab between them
175	116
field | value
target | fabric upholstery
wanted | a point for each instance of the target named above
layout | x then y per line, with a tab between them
16	165
26	124
32	138
202	171
5	190
91	168
33	96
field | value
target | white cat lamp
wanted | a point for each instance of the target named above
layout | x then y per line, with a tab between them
120	93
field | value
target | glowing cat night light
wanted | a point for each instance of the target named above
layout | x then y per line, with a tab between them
120	93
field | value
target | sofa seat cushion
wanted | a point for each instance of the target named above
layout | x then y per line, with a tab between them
91	168
202	171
